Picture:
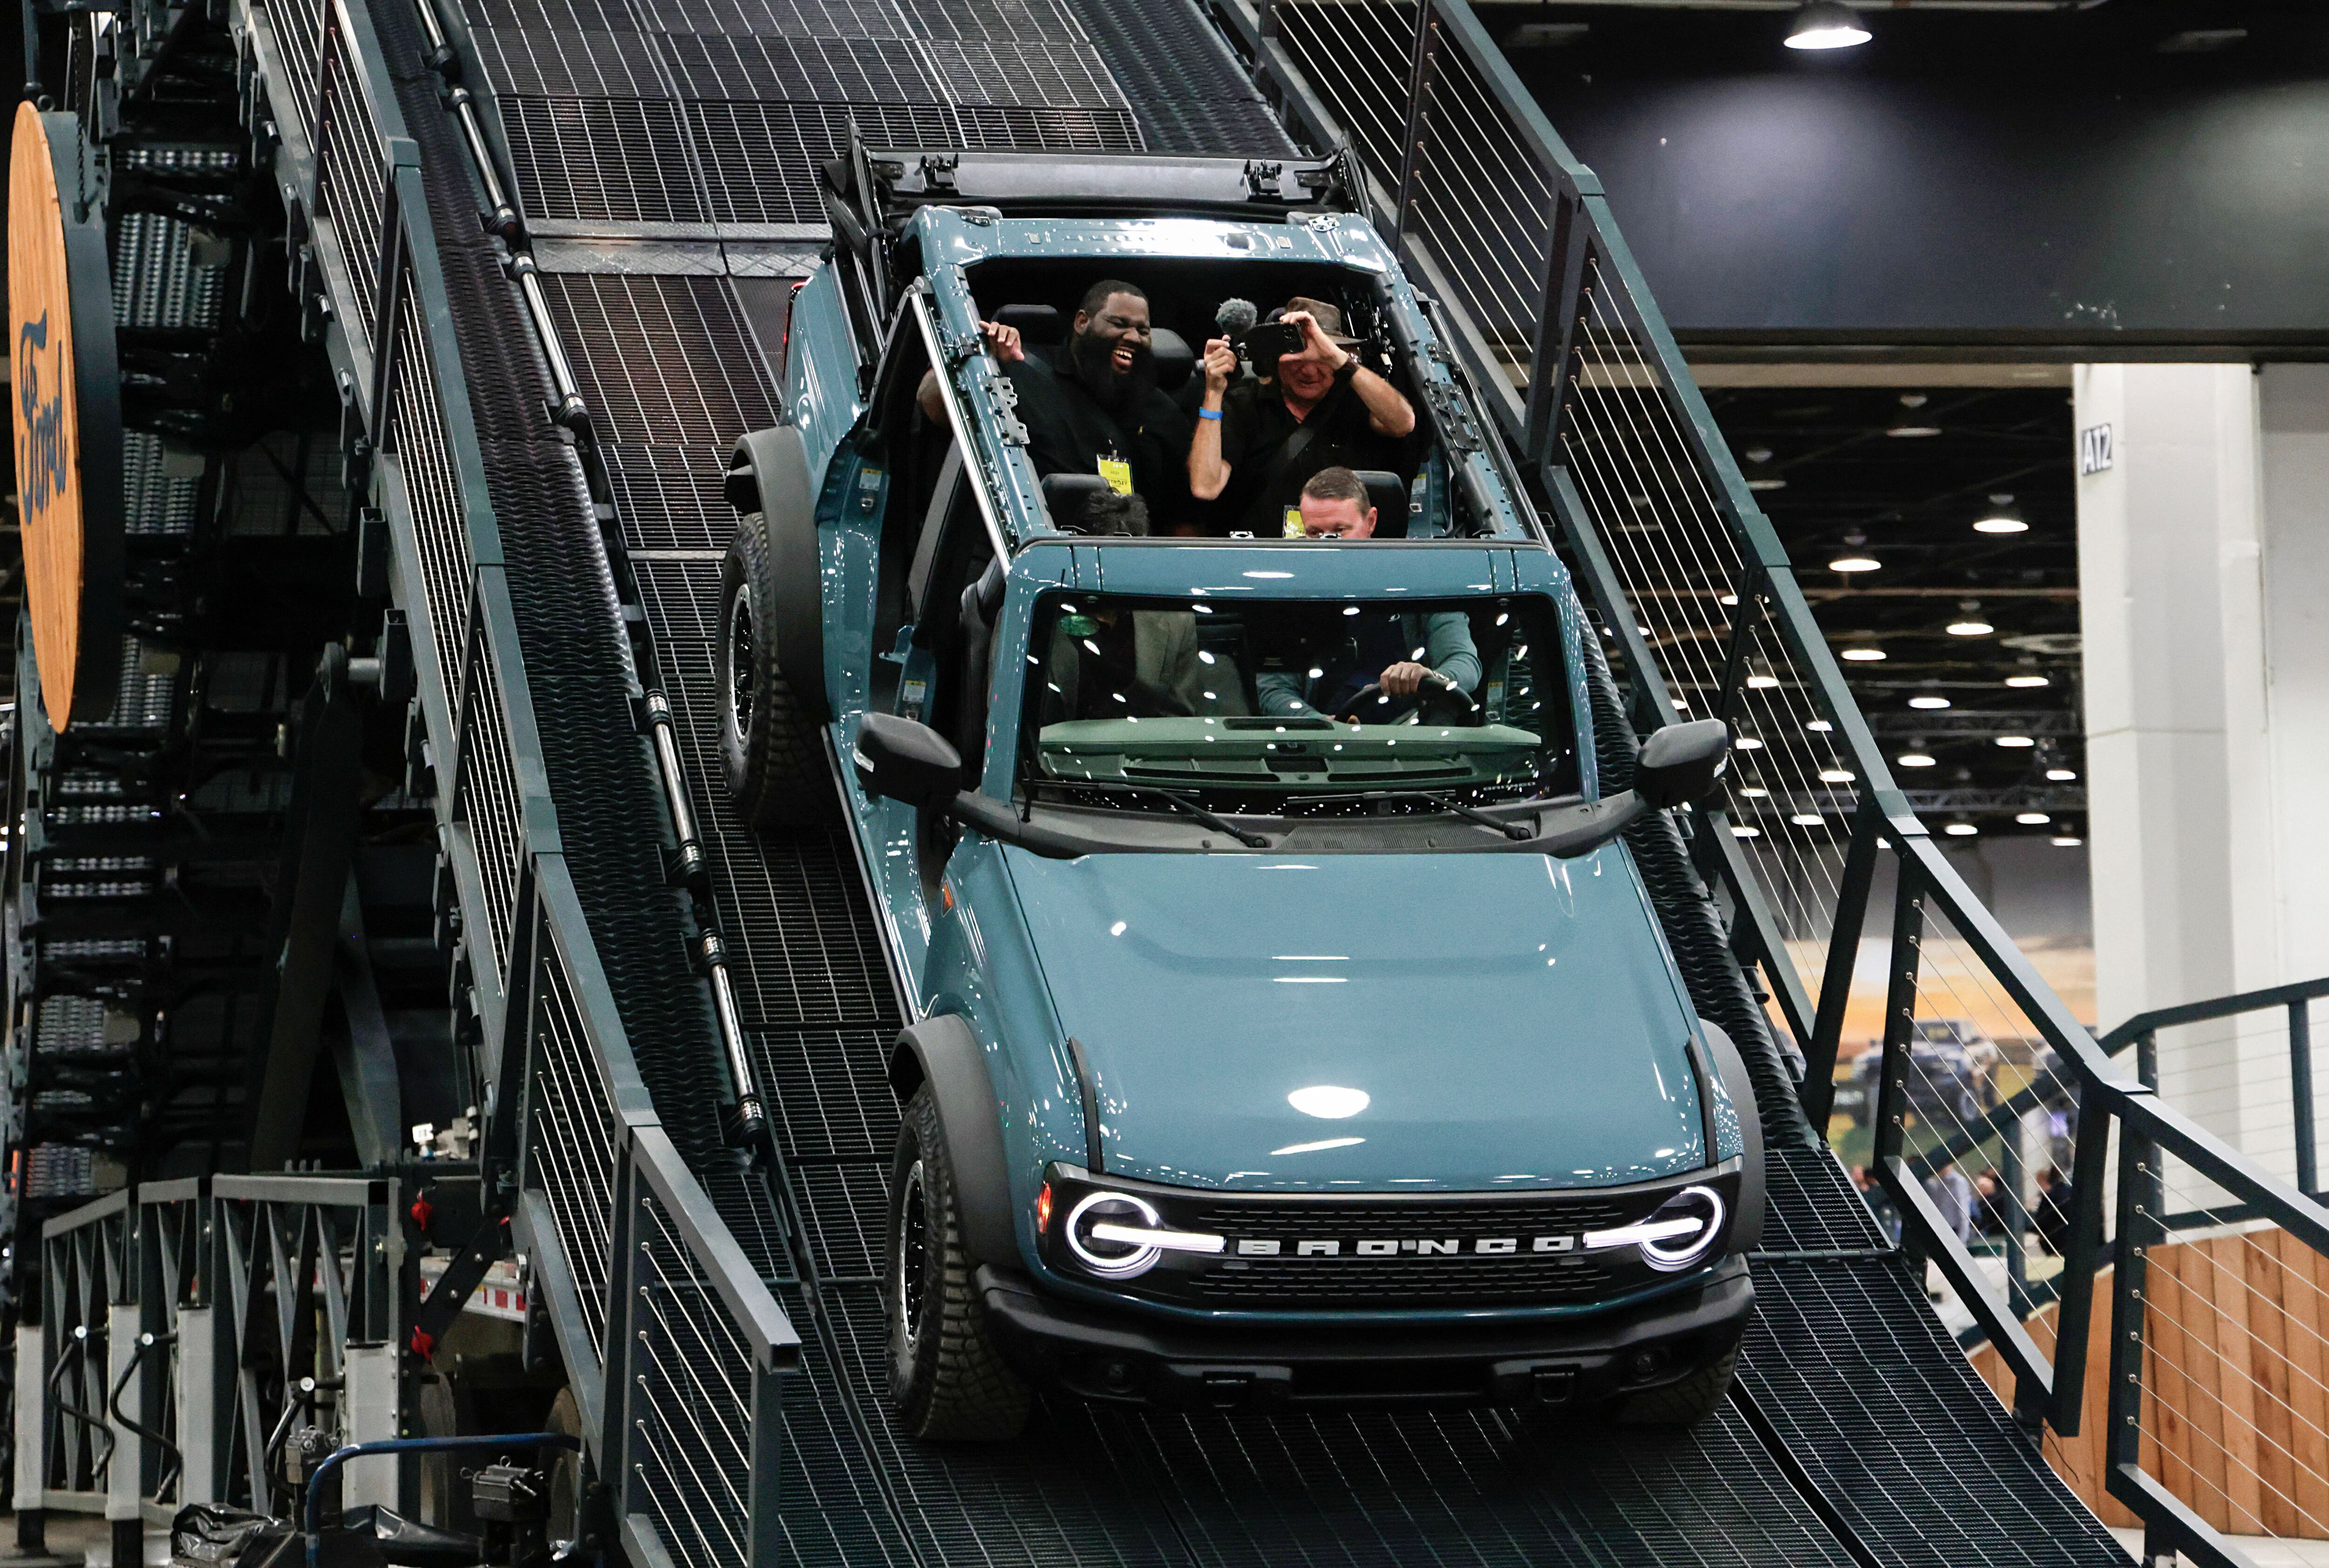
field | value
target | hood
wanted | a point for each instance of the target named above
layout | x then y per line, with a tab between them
1396	1023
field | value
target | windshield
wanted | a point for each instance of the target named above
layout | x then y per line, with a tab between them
1297	708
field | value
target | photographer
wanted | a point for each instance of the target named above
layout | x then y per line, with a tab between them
1313	406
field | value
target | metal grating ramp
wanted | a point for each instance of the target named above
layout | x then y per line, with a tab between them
666	118
1881	1407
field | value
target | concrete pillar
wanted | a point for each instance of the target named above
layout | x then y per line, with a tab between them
2203	556
2293	742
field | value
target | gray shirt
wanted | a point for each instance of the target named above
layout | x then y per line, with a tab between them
1441	640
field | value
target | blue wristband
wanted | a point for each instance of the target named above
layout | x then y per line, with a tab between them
1209	413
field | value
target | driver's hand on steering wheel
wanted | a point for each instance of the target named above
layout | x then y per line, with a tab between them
1404	678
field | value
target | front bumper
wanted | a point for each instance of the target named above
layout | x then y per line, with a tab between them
1103	1354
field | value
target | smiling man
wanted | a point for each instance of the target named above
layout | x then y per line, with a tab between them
1260	441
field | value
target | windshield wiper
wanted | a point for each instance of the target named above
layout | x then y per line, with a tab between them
1512	830
1446	802
1219	824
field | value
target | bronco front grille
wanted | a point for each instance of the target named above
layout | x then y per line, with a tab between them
1399	1282
1330	1252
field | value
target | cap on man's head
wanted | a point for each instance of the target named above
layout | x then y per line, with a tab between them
1329	317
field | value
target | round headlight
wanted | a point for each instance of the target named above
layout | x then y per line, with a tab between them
1703	1205
1115	1260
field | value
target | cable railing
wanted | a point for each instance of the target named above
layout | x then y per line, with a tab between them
638	1271
1985	1115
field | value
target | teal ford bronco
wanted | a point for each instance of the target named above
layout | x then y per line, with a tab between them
1286	1030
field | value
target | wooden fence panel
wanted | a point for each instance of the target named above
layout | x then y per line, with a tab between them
2236	1385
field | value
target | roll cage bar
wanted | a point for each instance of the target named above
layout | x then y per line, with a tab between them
933	310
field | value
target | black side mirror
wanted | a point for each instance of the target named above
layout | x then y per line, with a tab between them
1680	762
906	761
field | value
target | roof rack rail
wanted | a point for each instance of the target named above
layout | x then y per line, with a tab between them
1030	185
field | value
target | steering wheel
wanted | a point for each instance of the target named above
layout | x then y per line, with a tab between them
1390	709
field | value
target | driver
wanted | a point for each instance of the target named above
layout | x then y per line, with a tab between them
1329	666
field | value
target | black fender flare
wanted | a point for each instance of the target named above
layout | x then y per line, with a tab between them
769	472
942	1052
1746	1228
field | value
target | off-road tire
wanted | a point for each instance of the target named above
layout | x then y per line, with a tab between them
773	755
565	1467
946	1381
1684	1403
445	1409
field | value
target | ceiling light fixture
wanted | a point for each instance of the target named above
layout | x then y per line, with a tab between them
1761	682
2032	819
1837	775
2015	742
2067	840
1914	759
1863	655
1931	702
2001	517
1745	830
1806	819
1827	24
1960	828
1969	623
2027	682
2060	774
1855	563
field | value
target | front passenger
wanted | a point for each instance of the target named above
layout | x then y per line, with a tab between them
1109	662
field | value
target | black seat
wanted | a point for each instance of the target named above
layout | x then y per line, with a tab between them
981	602
1037	324
1173	358
1389	497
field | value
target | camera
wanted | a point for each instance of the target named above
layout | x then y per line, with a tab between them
1266	343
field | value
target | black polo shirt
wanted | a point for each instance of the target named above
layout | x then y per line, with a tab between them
1256	425
1067	432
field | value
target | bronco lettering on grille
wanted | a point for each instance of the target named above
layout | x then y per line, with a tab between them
1380	1247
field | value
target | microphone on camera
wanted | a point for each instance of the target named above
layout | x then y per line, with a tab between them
1234	317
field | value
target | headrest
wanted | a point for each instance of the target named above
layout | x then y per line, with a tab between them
1173	356
1389	497
1037	324
1065	495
